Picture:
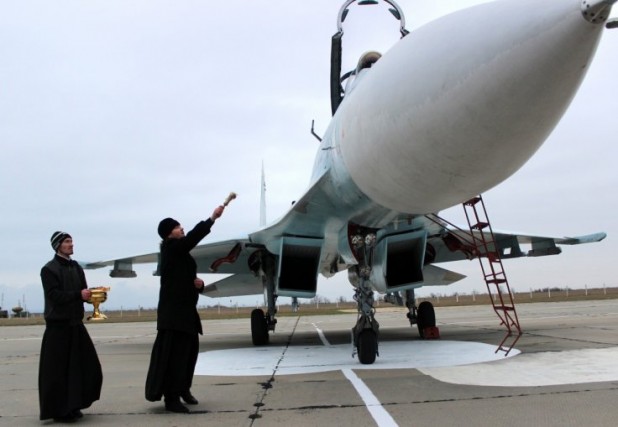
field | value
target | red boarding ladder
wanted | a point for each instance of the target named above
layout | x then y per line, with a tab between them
493	271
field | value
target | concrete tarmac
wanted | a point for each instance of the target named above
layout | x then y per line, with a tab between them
562	373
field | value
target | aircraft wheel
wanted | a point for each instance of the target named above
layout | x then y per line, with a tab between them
367	346
259	327
425	317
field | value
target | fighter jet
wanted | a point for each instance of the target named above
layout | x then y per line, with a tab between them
451	110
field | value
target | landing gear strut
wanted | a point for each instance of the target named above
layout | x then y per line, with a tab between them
365	332
411	305
262	323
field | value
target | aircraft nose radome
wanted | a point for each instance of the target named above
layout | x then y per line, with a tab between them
597	11
460	104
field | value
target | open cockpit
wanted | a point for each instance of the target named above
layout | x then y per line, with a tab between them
366	61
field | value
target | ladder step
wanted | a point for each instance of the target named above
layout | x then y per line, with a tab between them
473	201
493	256
495	281
479	226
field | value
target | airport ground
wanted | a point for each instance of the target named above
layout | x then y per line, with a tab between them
321	306
564	375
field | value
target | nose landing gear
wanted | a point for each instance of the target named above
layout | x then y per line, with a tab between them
365	332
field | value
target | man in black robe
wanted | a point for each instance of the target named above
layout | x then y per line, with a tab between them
70	376
176	347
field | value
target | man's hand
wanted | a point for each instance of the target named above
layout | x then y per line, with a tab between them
217	212
86	294
198	283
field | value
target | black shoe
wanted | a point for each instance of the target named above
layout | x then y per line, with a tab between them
176	406
77	413
69	418
189	398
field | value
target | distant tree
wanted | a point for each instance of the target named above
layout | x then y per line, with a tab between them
319	299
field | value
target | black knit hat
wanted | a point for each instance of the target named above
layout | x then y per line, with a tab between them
57	238
166	226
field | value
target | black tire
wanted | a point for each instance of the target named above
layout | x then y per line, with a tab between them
367	346
425	317
259	327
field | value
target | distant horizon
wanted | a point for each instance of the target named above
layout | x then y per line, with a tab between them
320	299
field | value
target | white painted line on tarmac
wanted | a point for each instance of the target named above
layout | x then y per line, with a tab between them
321	335
375	408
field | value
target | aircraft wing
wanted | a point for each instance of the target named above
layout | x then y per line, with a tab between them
226	257
234	256
235	285
455	244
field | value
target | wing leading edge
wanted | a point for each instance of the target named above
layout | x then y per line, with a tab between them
226	257
455	245
234	257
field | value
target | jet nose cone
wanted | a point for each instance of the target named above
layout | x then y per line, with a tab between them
597	11
440	118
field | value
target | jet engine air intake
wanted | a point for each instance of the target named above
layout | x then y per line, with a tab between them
299	261
398	261
404	259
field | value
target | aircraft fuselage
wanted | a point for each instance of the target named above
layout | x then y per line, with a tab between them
458	105
450	111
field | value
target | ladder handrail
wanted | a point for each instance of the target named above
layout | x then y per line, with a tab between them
497	276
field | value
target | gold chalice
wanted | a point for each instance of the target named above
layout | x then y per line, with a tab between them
98	296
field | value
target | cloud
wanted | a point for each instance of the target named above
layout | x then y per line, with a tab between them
115	114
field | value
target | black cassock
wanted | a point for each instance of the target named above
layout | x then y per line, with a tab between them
176	347
172	364
70	374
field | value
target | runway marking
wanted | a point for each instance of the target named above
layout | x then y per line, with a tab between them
536	369
454	362
288	360
375	408
309	359
321	335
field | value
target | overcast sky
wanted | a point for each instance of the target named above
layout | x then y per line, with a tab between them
115	114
